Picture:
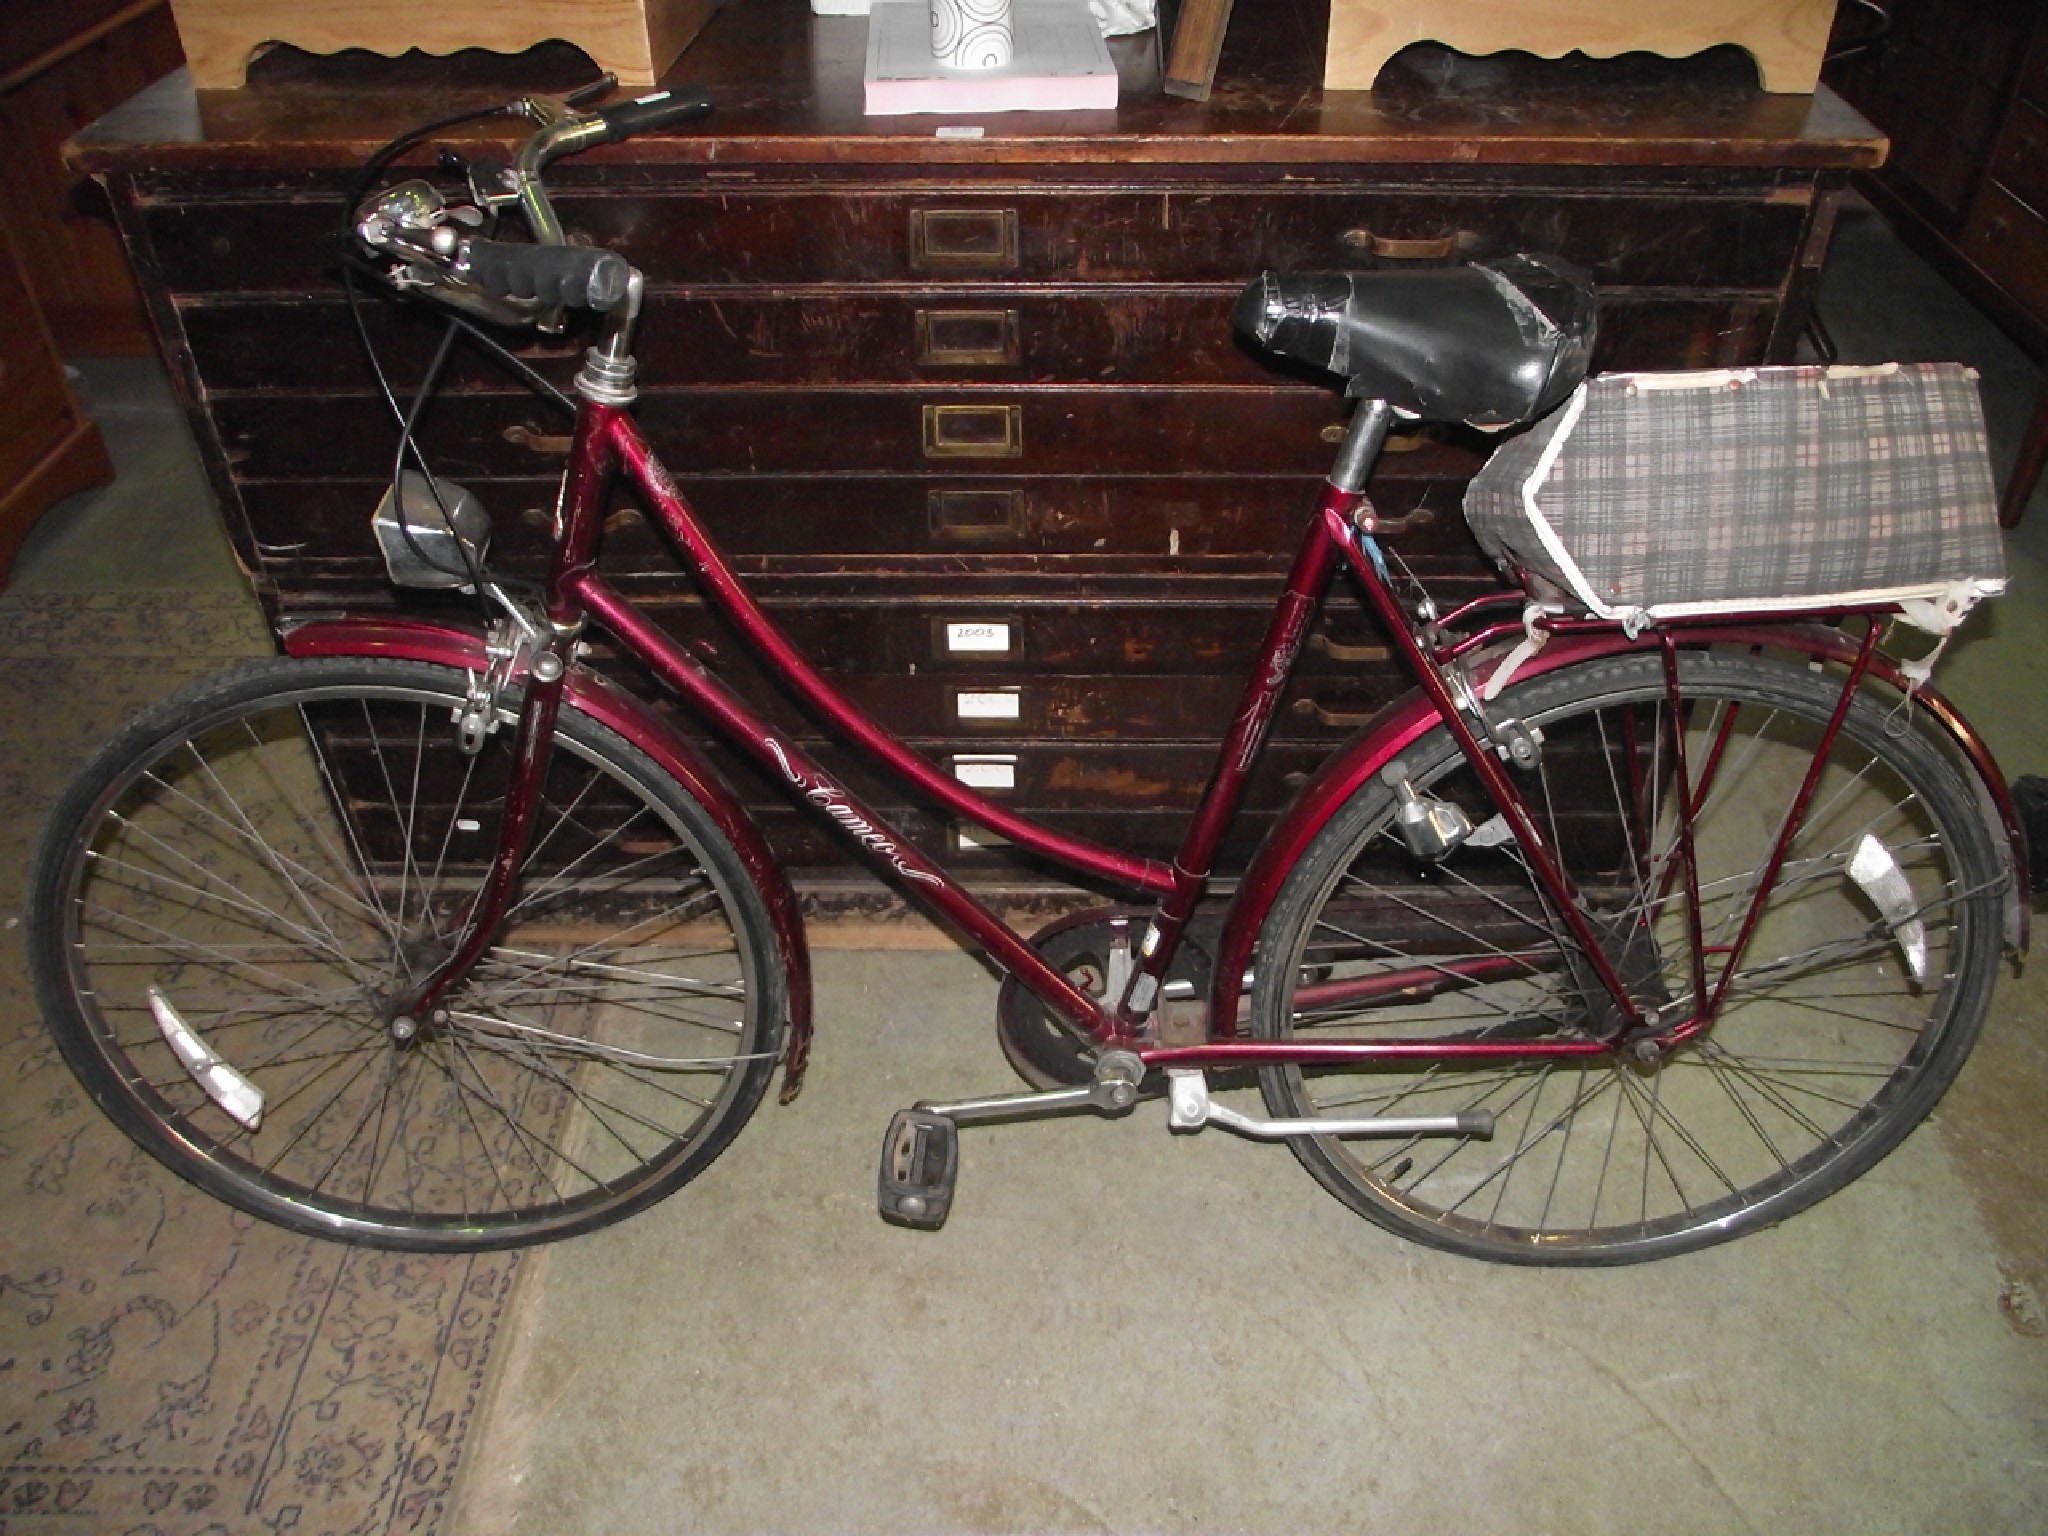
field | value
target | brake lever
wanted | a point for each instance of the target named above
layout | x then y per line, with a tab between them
546	111
491	183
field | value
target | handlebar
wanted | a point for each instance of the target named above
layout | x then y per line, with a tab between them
646	114
553	274
513	282
612	125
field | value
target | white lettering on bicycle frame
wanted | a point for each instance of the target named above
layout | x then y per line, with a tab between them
832	800
1252	724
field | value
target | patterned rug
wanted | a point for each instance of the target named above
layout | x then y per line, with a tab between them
169	1367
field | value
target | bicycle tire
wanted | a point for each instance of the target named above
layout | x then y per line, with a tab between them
262	862
1825	1056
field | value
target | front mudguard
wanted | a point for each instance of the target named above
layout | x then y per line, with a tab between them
1400	724
614	707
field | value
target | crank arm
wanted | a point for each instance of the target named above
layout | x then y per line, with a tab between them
1115	1089
1190	1108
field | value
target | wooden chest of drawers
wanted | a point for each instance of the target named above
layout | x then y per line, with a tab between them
1962	85
970	413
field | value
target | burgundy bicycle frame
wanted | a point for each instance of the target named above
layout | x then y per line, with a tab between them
607	442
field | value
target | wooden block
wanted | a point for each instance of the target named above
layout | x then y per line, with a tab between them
635	39
1785	37
1197	45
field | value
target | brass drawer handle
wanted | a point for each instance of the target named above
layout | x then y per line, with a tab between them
1409	248
1397	442
976	515
973	431
968	338
1406	522
956	239
1343	718
1337	650
539	442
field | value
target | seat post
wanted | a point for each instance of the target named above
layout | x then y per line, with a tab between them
1363	440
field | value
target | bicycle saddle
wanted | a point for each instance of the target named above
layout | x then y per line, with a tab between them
1493	343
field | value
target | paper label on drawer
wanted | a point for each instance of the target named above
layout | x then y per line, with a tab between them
978	636
986	771
967	838
998	704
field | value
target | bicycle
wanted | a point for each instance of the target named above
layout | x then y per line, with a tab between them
1605	942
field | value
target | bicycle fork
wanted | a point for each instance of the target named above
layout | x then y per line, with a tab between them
606	380
533	749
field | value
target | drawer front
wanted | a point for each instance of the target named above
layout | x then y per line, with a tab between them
1054	431
1021	636
965	711
1274	429
1078	335
2009	241
2022	162
974	236
959	531
1134	798
1037	778
1221	235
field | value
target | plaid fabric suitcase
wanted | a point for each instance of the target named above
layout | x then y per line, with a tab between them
1653	496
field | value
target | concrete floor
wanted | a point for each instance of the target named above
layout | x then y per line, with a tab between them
1123	1331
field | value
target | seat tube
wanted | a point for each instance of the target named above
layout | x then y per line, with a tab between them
1307	581
1315	563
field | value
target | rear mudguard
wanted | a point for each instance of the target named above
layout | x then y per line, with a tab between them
619	710
1398	726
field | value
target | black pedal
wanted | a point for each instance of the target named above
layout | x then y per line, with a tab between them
920	1161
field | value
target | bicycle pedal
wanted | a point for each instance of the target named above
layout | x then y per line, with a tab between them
920	1162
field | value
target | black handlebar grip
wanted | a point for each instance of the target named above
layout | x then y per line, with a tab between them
554	274
682	104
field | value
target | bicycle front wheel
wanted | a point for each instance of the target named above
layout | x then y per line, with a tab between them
231	897
1866	974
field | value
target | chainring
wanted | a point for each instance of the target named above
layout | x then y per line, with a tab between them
1041	1047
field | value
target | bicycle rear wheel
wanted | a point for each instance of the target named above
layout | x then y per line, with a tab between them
231	895
1828	1049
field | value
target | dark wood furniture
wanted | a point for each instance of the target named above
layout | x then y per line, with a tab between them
48	447
62	65
970	412
1962	88
64	282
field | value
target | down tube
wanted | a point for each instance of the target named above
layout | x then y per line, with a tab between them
789	766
